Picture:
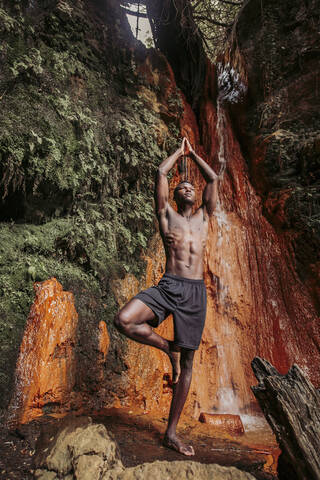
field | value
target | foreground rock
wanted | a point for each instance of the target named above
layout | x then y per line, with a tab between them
180	471
291	405
81	450
45	372
46	369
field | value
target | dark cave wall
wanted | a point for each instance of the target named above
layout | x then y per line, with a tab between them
279	129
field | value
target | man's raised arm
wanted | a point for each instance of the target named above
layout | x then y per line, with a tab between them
210	192
162	188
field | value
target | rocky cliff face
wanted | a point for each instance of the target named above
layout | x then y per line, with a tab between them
280	129
261	295
261	259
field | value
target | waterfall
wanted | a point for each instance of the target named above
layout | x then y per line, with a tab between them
230	86
221	121
231	90
227	399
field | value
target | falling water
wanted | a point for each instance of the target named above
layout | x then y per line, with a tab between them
227	400
223	227
221	119
230	86
231	90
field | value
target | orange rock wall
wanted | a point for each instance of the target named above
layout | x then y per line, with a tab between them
46	367
256	303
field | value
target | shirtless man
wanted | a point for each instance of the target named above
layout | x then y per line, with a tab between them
181	290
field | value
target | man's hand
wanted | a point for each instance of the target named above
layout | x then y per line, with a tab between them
183	146
162	188
187	148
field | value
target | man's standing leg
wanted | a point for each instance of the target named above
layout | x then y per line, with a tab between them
180	393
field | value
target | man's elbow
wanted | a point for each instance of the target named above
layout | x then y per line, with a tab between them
211	210
212	177
161	172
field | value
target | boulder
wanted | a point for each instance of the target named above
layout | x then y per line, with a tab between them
46	366
223	422
82	450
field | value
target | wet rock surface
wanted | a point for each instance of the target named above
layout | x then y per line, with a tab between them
83	449
139	439
16	456
279	129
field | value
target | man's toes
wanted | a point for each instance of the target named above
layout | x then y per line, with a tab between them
187	450
180	447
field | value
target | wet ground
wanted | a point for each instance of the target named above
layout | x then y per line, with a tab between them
139	437
16	456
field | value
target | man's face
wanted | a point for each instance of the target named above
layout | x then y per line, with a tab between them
185	194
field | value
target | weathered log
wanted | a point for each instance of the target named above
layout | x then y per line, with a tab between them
291	405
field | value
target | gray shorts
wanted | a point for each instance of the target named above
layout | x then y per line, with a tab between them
186	299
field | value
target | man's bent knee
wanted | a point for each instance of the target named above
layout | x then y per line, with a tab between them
122	321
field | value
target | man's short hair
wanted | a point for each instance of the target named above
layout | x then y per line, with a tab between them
178	187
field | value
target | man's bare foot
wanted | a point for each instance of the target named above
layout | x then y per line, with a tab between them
174	356
175	444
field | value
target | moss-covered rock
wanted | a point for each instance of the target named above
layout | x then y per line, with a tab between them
79	147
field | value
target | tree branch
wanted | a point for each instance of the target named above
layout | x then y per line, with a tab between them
135	14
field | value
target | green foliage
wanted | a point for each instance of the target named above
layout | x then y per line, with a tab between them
7	23
215	19
28	65
78	155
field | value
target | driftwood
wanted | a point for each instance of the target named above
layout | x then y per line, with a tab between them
291	405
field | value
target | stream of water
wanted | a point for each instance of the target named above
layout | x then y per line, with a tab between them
231	90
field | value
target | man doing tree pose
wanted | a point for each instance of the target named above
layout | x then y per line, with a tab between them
181	291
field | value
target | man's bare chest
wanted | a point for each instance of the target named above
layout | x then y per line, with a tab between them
188	231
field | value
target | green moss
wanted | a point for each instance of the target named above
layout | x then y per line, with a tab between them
7	23
78	152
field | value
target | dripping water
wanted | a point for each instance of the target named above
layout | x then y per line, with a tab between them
184	169
230	86
227	399
231	90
